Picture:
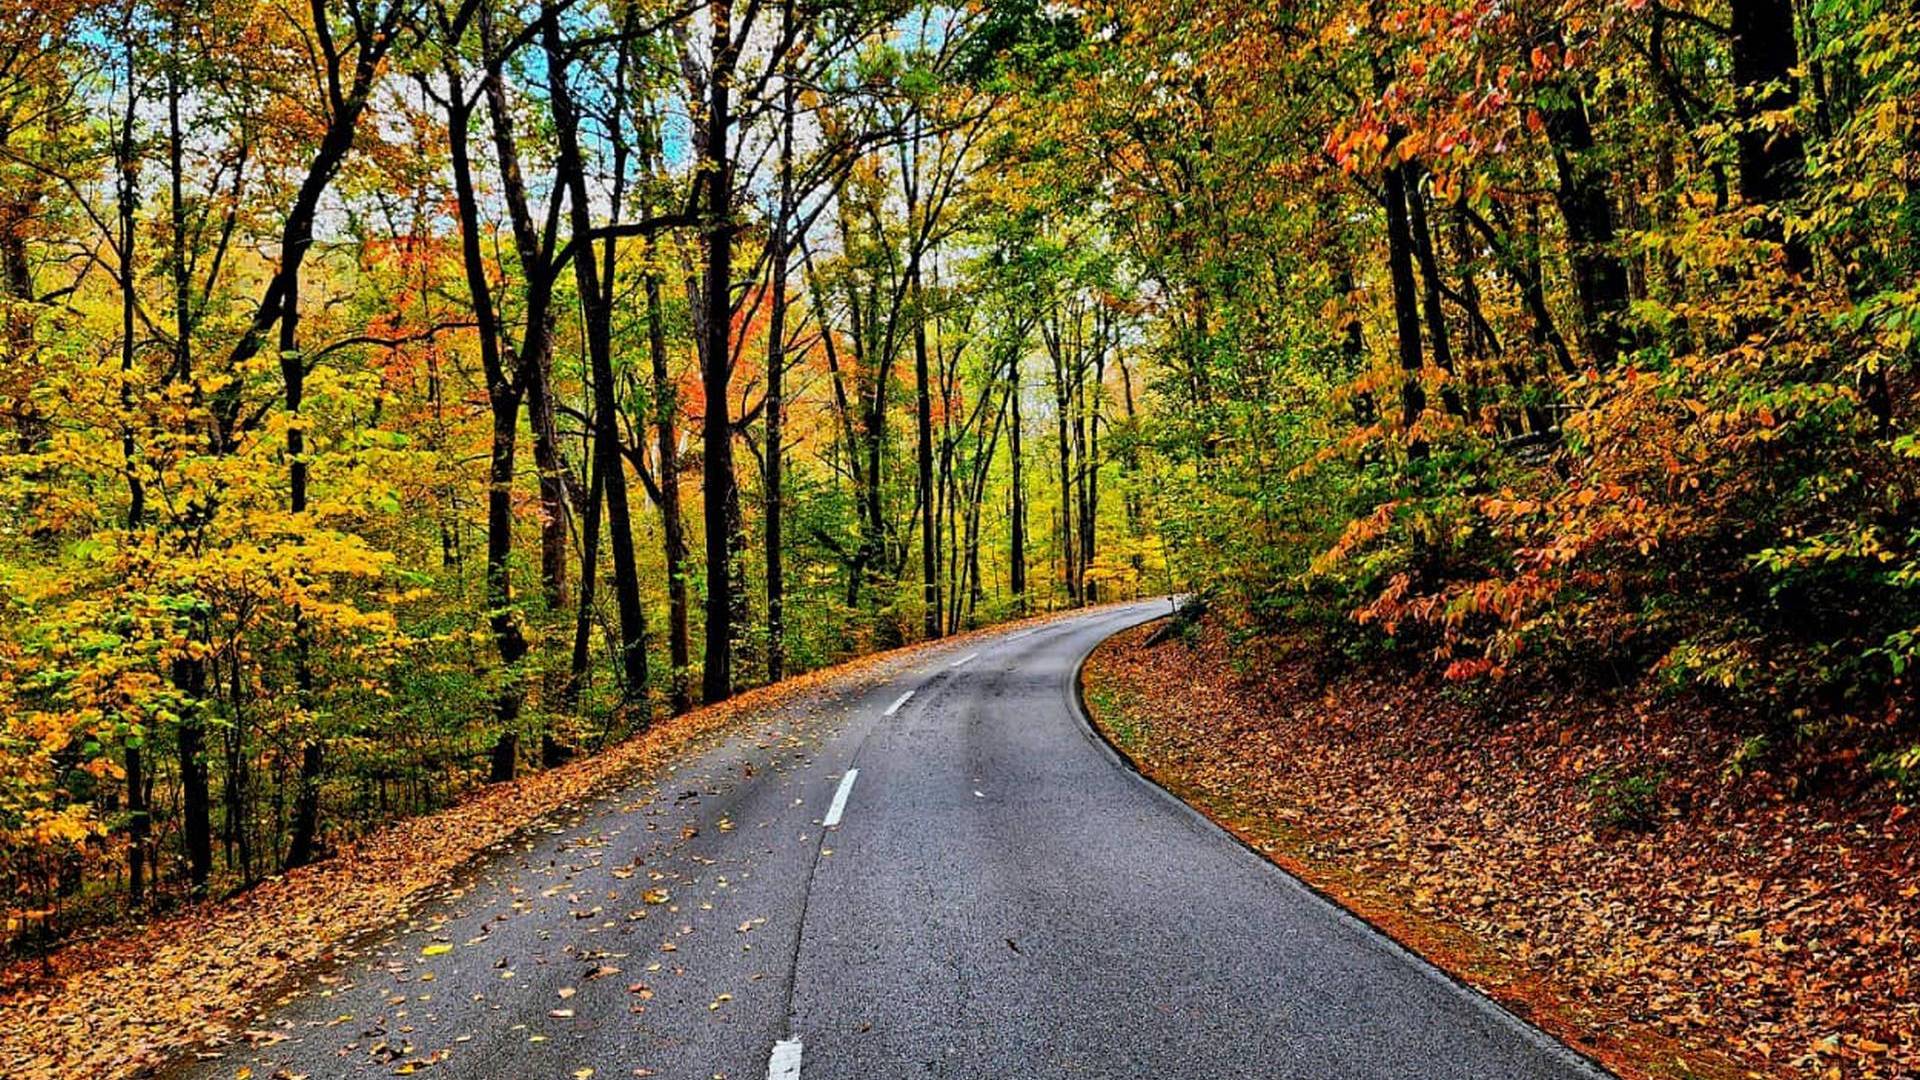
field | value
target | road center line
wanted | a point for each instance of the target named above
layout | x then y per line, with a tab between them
895	707
838	808
785	1062
963	659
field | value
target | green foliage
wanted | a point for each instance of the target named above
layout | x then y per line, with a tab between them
1624	800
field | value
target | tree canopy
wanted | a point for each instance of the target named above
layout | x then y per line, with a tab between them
403	393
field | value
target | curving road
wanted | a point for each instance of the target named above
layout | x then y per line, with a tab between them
942	875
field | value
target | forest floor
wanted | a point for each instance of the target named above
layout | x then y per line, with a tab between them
1617	869
131	1001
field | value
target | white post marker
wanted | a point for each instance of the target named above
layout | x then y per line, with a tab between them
832	819
899	701
785	1062
964	659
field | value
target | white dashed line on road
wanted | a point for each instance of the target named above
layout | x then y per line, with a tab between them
785	1062
963	659
899	701
838	808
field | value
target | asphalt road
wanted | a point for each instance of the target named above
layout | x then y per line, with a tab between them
943	875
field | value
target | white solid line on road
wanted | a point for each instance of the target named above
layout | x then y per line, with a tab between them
785	1062
895	707
838	808
963	659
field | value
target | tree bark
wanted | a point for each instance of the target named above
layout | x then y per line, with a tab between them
503	404
1062	401
306	804
673	527
589	574
1439	340
597	315
717	479
196	825
553	477
1599	276
1090	520
1406	311
1017	526
1772	159
923	448
776	380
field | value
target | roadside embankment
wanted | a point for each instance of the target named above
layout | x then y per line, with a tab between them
1652	886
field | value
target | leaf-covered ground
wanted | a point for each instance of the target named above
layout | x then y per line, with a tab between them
1622	872
129	1003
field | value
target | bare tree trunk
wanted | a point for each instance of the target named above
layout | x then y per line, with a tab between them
597	315
306	803
1406	311
673	527
138	823
776	380
553	477
1017	528
196	825
503	402
1766	56
1437	337
589	574
1057	346
1599	276
923	414
1090	521
717	479
503	619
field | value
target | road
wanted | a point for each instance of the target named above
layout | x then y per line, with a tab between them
946	874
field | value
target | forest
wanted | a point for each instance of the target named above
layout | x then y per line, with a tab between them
405	395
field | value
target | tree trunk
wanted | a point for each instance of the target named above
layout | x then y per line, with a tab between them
776	384
923	451
589	574
1406	311
1017	527
306	803
546	458
717	479
1090	521
138	824
1772	159
502	618
598	317
190	679
673	527
1062	401
503	402
1438	338
1599	276
139	827
1077	395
